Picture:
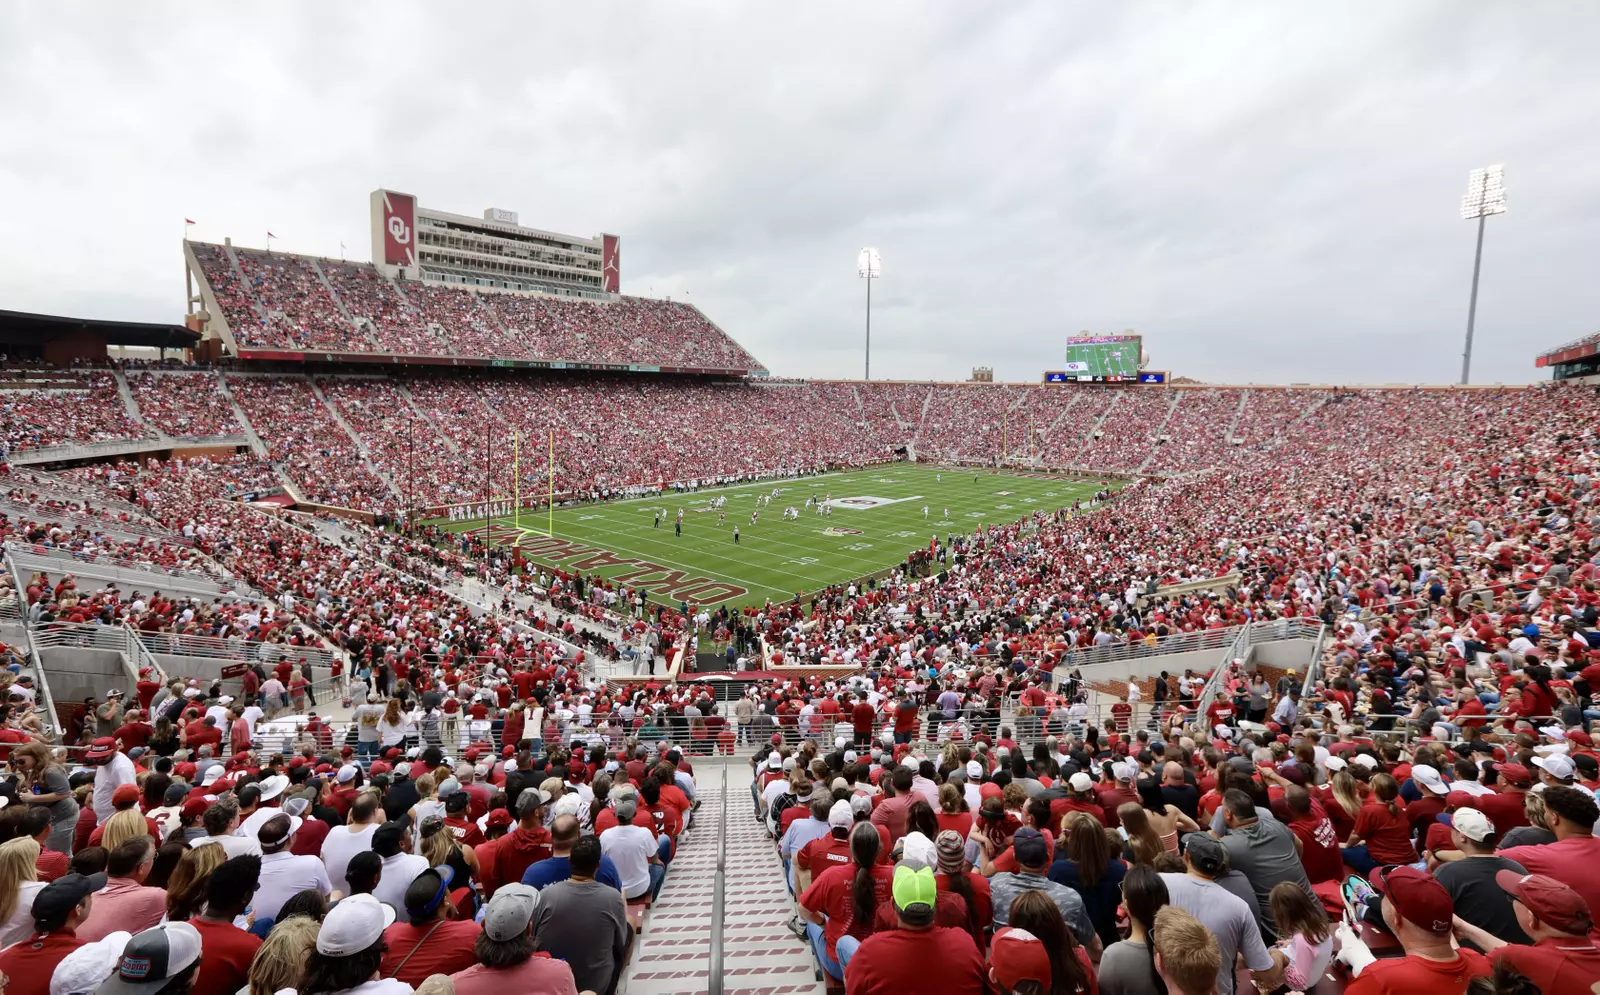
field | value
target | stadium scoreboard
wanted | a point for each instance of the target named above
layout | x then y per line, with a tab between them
1102	359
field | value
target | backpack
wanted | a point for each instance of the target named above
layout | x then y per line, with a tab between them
784	801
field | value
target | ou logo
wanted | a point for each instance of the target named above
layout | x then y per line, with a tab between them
398	230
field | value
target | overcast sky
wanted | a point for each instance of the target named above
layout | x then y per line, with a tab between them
1267	192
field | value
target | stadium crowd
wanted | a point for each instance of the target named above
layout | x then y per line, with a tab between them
275	300
1434	787
183	405
81	406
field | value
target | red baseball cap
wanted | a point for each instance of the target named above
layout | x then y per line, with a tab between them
1417	896
126	794
1515	773
1459	799
194	806
378	767
1016	955
499	817
184	770
1549	900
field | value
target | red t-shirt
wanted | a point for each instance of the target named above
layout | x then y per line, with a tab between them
937	961
1557	967
1572	860
1319	847
831	894
1387	836
1407	975
861	717
1506	809
448	949
822	853
956	822
29	963
229	951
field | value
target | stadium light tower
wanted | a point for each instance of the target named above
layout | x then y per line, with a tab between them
869	267
1486	195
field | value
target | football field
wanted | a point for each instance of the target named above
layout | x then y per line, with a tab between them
875	518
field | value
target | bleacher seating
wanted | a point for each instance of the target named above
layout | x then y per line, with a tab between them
88	408
183	405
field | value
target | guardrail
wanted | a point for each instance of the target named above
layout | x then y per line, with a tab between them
91	523
142	657
241	650
719	884
70	635
47	559
46	700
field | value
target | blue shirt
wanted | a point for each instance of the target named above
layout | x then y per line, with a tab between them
547	872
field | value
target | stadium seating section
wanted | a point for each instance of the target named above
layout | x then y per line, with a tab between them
278	301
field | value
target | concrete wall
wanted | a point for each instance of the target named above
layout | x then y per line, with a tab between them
75	674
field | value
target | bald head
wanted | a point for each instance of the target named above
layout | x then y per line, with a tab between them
1172	773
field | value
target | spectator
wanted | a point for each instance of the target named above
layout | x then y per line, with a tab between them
350	949
1187	954
1562	958
229	949
1085	863
634	852
1571	816
58	909
1472	880
281	961
1229	919
19	884
1128	966
1305	937
162	960
917	953
585	923
510	856
283	874
355	836
44	783
1034	914
841	904
508	954
1033	864
1419	913
1262	849
112	770
126	904
392	842
432	940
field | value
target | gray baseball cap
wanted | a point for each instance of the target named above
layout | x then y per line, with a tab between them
509	912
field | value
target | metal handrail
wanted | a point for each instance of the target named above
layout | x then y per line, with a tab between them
719	883
142	657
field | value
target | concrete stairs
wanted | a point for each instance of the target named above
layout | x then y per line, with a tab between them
132	405
1244	398
256	445
427	419
1155	446
355	437
361	325
760	956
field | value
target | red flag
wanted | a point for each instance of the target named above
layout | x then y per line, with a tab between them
270	235
189	221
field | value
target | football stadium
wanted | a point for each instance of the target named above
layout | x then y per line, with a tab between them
429	601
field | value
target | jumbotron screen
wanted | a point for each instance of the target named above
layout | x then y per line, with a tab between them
1104	358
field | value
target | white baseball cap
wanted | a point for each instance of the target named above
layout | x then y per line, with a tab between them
840	815
1430	779
1472	824
974	769
1081	782
353	925
1335	763
346	774
1557	765
82	971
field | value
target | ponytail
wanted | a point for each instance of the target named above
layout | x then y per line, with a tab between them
864	846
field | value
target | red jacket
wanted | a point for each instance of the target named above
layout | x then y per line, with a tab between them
514	853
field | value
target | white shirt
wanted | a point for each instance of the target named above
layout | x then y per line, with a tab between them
398	873
233	846
342	843
20	925
108	777
630	847
284	875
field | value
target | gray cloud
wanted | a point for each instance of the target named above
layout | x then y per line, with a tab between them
1268	193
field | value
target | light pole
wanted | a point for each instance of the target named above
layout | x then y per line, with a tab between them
869	267
1486	195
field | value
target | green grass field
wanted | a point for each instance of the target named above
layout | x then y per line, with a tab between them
877	518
